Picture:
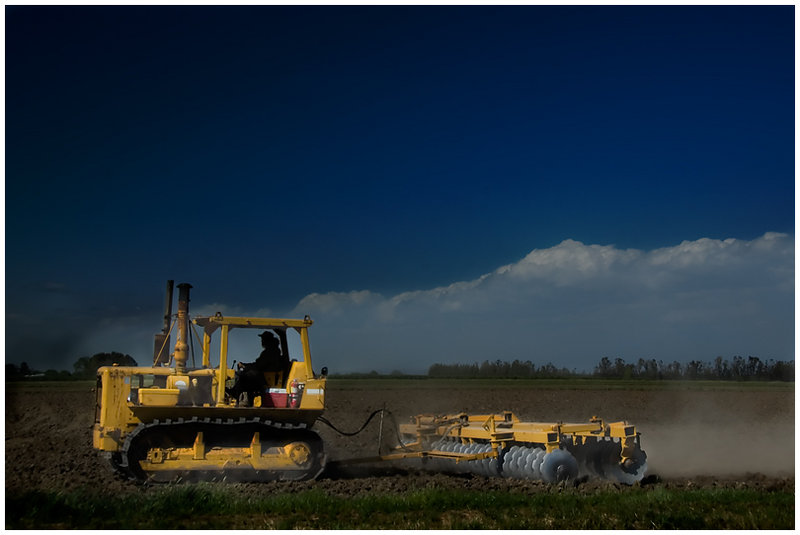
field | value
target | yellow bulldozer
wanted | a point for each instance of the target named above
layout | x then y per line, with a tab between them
170	421
166	422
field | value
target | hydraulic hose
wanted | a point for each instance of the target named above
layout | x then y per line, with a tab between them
325	421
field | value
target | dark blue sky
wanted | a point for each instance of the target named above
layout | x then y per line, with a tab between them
265	153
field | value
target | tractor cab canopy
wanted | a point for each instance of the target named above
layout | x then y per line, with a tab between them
211	323
218	322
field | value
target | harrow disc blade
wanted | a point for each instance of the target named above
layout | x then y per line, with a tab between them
629	478
559	465
603	459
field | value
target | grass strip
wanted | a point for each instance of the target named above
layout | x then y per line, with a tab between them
205	506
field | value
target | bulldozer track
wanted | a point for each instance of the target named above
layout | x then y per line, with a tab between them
219	432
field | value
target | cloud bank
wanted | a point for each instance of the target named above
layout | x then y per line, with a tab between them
572	304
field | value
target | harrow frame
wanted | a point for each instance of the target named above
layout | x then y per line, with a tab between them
496	436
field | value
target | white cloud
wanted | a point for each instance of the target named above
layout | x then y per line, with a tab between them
569	304
337	302
568	262
574	303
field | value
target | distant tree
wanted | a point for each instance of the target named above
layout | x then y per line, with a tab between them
56	375
674	370
12	372
720	368
652	369
82	368
86	367
694	369
548	371
604	369
781	371
752	368
755	368
738	368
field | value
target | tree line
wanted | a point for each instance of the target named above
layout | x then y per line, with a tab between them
737	369
499	368
83	368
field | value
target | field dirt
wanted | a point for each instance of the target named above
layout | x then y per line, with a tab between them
693	438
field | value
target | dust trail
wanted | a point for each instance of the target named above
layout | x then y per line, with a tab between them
720	430
719	440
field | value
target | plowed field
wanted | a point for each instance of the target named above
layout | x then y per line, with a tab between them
731	436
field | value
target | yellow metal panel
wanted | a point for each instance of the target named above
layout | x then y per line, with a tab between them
102	440
206	350
313	394
306	352
582	429
199	447
296	371
474	433
621	429
127	371
115	417
255	445
526	427
158	397
223	365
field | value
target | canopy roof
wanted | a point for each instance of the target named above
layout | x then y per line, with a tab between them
212	323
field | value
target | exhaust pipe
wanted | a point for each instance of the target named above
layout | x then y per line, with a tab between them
181	347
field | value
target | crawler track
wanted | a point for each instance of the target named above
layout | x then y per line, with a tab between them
292	452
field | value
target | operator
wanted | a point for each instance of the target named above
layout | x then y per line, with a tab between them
250	377
271	359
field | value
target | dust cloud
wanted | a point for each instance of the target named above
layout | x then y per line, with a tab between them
723	433
720	431
692	450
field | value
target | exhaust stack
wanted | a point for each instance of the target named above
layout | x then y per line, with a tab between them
181	347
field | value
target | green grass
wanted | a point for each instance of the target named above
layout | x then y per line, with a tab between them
207	507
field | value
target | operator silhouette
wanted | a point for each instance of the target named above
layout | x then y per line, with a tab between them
271	359
250	376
